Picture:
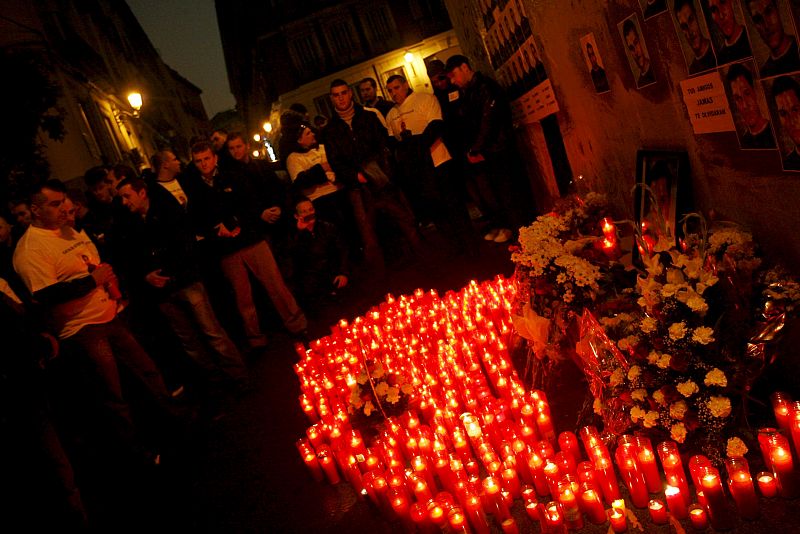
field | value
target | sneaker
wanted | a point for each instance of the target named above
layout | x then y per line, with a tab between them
503	235
492	235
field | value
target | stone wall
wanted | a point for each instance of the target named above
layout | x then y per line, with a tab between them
603	132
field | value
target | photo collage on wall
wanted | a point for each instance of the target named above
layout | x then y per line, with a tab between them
752	44
511	46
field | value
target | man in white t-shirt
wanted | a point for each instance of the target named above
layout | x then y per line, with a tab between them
63	271
427	170
168	167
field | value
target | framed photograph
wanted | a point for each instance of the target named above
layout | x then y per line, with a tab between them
693	36
748	106
783	100
594	64
666	174
773	36
725	21
636	50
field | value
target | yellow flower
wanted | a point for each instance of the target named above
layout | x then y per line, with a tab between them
677	331
736	448
653	357
362	378
678	432
659	397
688	388
407	388
649	325
663	361
634	372
719	406
651	419
597	406
616	377
716	377
677	410
637	413
368	408
669	290
639	394
703	335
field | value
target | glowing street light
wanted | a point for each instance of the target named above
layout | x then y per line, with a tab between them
135	100
267	127
409	57
256	138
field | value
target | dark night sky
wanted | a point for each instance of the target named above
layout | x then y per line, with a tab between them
186	35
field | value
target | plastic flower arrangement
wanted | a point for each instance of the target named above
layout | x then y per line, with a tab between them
377	391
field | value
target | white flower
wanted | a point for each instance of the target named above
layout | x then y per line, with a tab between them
634	372
688	388
677	331
703	335
649	325
716	377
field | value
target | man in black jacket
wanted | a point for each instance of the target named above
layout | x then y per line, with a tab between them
356	145
162	262
490	150
225	213
321	262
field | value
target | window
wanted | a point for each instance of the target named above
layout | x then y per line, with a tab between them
304	52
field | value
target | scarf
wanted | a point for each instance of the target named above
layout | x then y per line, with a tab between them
347	115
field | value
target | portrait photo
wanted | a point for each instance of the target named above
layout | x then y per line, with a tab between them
651	8
748	106
658	211
594	63
783	99
693	36
725	21
639	58
773	36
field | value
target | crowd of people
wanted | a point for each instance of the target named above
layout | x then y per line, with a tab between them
126	279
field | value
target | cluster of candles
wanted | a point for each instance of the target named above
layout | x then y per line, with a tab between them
474	440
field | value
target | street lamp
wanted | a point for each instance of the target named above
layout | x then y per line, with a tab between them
135	100
256	138
267	127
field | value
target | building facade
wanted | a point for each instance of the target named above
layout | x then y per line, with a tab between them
276	46
97	53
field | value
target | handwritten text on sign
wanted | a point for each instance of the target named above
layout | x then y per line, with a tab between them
707	104
535	105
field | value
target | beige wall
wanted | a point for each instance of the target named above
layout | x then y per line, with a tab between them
603	132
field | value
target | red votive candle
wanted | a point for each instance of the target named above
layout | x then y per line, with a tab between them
618	521
647	462
632	476
569	506
782	406
767	484
606	478
698	518
675	502
325	456
593	507
718	510
568	443
741	486
475	514
783	468
658	512
673	467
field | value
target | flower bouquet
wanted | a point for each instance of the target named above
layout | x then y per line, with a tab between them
375	395
561	267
